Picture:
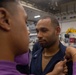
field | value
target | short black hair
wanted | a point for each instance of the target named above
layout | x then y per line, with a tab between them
53	20
9	5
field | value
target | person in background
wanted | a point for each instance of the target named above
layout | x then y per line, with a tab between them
14	39
23	61
52	51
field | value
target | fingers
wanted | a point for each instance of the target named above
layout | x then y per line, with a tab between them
65	69
63	63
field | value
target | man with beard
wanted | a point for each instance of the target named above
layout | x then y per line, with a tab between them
52	51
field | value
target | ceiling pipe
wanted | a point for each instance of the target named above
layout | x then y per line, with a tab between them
28	5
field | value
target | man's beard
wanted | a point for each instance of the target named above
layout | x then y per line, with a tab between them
48	45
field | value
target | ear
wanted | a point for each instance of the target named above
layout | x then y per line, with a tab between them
4	19
58	30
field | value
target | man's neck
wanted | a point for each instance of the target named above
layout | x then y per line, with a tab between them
6	54
52	50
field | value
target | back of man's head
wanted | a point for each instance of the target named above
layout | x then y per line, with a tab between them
9	5
13	30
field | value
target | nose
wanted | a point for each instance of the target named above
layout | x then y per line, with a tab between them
39	35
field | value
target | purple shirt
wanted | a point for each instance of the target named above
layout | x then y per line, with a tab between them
74	68
8	68
22	59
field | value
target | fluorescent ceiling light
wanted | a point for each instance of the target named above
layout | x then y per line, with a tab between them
37	16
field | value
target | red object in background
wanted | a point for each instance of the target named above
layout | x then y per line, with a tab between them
74	40
71	40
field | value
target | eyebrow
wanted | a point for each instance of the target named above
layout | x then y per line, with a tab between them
41	28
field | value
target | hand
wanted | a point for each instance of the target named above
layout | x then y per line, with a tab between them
59	69
70	53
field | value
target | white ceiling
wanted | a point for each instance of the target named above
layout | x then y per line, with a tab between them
31	11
